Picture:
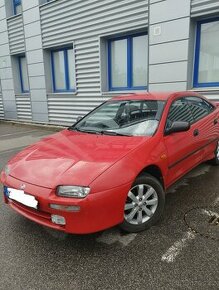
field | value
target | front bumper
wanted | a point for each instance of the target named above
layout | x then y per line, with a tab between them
98	211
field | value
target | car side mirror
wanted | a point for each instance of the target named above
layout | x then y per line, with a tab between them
178	127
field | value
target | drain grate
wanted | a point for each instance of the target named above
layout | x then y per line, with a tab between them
203	221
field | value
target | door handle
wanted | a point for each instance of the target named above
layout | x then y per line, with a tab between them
215	121
196	132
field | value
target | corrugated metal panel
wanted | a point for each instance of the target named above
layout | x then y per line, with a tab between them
64	109
23	104
83	22
64	21
204	7
16	34
1	108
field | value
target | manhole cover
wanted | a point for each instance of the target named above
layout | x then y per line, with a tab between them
204	221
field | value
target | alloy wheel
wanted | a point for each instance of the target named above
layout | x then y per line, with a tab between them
141	204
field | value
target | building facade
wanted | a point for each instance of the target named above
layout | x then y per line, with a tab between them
61	58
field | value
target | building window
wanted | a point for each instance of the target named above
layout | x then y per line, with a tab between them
63	68
17	6
206	71
128	62
23	74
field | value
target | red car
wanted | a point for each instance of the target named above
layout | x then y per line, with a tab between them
114	165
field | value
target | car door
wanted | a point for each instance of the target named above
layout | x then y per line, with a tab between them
181	146
205	124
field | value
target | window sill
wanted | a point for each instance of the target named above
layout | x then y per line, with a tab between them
14	16
62	93
47	3
22	94
201	89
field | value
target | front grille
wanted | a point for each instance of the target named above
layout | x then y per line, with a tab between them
31	211
37	216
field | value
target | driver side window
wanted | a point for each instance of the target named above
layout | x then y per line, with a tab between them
179	112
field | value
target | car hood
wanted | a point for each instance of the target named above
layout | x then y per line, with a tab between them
70	158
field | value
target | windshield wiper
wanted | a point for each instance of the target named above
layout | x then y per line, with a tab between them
84	131
113	133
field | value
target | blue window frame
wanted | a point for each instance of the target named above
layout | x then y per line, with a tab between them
63	70
17	6
23	74
128	62
206	66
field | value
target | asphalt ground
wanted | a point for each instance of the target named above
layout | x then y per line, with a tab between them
180	252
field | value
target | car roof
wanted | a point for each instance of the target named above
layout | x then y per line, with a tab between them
157	96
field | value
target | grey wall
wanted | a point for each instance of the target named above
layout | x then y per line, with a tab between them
204	7
35	61
169	23
8	94
87	25
1	104
16	34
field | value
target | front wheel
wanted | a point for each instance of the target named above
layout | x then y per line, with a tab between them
215	160
144	204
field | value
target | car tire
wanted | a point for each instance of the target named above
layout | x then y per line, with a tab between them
144	204
215	160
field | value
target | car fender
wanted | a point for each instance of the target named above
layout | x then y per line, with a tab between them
129	167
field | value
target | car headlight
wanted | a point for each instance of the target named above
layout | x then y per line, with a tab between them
73	191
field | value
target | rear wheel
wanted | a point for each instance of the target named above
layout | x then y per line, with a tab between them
215	160
144	204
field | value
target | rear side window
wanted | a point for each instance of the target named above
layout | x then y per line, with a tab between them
199	107
179	112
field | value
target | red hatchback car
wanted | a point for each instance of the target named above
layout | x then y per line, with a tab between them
114	165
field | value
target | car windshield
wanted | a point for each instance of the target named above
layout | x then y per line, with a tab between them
128	118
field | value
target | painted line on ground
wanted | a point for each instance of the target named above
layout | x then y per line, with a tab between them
20	141
13	150
177	247
210	213
18	133
216	202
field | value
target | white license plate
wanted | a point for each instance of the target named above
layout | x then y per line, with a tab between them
20	196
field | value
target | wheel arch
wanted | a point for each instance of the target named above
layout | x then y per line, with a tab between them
155	171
